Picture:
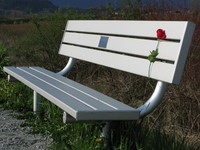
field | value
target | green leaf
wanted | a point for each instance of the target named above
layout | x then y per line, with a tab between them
154	53
152	56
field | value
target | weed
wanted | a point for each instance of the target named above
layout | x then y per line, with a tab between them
15	96
4	60
170	127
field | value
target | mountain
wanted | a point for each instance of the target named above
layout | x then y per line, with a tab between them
115	3
26	6
85	3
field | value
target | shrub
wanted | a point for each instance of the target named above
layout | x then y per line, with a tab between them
15	96
40	46
4	60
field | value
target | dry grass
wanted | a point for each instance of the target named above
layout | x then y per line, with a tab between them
10	32
181	107
179	112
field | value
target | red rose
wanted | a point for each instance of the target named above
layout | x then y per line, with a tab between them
161	34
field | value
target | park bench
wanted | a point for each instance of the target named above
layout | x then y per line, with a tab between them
122	45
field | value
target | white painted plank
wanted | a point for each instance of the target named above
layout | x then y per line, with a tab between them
106	99
160	71
57	97
167	50
185	45
24	75
174	29
70	91
105	115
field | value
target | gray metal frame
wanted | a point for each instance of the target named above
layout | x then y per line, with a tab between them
68	67
154	100
145	109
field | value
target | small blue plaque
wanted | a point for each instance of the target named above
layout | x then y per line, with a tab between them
103	41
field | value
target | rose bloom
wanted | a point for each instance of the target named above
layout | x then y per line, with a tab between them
161	34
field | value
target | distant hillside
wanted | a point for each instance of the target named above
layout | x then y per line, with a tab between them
85	3
115	3
25	6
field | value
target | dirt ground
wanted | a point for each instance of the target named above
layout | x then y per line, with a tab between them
15	137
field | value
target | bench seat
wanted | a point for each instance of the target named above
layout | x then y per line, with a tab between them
79	101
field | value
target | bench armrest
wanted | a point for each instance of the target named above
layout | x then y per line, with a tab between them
154	100
68	67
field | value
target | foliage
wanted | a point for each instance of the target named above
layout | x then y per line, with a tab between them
125	135
4	60
40	47
15	96
129	12
13	20
136	135
13	7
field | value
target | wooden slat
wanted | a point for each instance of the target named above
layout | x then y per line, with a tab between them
184	48
133	46
160	71
131	42
55	96
69	90
174	29
108	115
101	97
42	81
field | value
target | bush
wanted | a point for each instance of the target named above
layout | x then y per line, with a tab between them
179	112
40	46
4	60
15	96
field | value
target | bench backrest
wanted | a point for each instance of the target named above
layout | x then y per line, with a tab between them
125	45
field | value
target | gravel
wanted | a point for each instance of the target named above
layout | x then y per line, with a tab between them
14	137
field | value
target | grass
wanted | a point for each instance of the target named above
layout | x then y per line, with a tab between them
175	125
125	135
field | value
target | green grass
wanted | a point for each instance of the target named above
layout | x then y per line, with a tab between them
156	132
4	59
126	135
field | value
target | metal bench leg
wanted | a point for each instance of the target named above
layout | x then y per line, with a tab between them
68	67
105	134
36	101
11	79
67	118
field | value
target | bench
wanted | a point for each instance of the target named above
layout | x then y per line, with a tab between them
122	45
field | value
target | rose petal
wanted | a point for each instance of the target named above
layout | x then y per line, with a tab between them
161	34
